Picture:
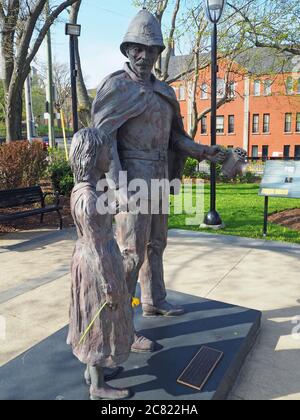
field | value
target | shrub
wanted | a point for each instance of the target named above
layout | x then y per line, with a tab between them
21	164
66	185
59	171
190	168
249	178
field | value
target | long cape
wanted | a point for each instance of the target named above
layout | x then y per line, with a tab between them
119	98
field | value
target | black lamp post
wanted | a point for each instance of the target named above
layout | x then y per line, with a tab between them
74	32
214	10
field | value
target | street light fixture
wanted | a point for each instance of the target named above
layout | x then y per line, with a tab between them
74	31
214	10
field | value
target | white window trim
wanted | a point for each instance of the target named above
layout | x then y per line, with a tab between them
204	93
267	87
291	90
220	94
182	93
257	83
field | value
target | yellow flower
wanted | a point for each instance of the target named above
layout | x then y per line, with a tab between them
135	302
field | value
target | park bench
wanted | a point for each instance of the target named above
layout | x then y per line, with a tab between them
28	196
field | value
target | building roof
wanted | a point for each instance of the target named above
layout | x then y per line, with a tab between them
261	61
257	61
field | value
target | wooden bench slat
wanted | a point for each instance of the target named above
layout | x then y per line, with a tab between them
20	196
28	213
24	196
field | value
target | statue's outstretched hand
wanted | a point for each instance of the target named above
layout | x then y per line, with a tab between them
216	154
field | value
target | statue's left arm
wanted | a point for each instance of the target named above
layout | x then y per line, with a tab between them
184	144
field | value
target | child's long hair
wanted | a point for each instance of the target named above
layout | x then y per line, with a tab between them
86	146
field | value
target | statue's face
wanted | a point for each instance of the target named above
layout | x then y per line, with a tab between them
142	58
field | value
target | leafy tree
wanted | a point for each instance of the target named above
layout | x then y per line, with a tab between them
23	25
271	23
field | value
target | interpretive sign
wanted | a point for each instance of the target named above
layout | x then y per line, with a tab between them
281	179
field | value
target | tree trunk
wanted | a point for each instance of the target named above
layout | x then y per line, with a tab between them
84	101
13	117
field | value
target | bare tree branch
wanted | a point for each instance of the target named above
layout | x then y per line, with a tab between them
43	32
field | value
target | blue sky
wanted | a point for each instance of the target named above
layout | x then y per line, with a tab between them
104	23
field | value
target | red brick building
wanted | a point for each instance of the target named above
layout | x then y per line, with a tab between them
263	115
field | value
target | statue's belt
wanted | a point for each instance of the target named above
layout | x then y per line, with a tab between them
154	155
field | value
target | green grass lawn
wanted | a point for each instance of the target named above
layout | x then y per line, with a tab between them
242	211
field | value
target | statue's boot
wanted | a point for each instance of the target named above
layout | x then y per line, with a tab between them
163	309
108	393
142	344
109	374
99	389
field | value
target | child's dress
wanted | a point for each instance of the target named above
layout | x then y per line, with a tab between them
97	262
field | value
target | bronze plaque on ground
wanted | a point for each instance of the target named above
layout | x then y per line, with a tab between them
201	367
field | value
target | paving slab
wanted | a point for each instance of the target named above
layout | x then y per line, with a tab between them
38	259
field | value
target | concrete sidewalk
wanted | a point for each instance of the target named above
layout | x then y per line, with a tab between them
35	283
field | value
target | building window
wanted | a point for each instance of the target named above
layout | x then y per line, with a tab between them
232	88
255	151
266	128
298	122
288	123
286	151
297	152
298	86
265	152
220	125
220	88
255	124
204	125
230	147
268	87
181	96
256	87
204	91
289	86
231	125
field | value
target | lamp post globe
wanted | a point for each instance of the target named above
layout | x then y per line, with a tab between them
214	9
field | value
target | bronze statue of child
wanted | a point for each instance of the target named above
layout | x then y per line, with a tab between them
98	279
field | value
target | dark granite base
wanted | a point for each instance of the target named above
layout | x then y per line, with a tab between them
49	371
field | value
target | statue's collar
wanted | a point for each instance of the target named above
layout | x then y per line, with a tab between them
135	78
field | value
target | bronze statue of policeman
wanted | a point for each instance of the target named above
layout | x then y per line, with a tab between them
142	117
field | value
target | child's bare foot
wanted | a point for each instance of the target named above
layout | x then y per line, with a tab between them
108	393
